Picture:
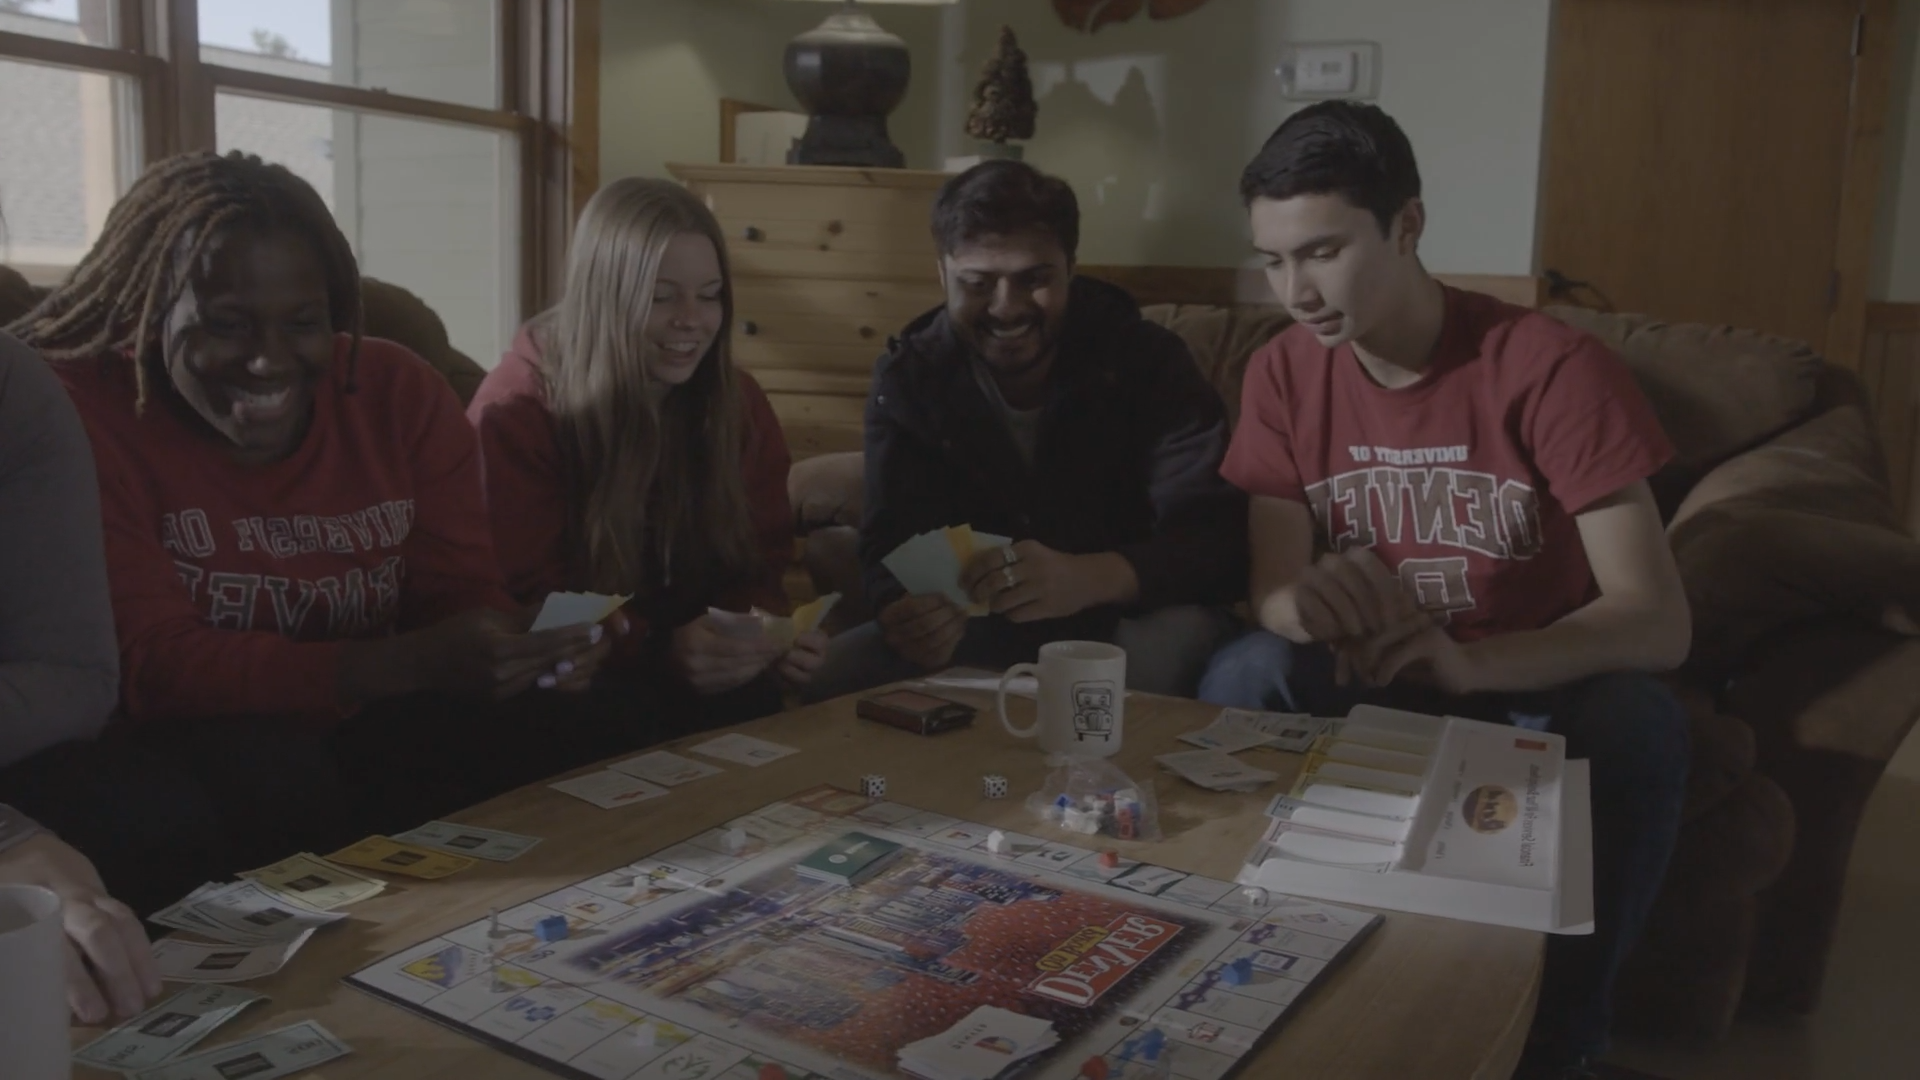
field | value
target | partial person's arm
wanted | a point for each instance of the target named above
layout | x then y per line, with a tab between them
59	671
110	967
526	492
1639	622
908	489
1198	548
451	567
1280	549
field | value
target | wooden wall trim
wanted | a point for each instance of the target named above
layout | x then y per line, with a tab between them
583	106
1860	180
1215	285
1221	286
1892	318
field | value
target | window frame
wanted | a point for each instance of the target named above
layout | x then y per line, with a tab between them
548	56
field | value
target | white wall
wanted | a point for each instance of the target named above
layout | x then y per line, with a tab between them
665	65
1896	251
1153	121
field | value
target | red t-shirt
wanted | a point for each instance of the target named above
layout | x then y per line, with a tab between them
1466	482
233	584
527	492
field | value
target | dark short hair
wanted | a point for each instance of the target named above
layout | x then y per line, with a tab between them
1337	148
995	198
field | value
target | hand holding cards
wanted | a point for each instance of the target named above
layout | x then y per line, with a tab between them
563	609
931	563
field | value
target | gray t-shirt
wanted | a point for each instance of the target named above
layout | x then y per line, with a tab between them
59	662
1022	424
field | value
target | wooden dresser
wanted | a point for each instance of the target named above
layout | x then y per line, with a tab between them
827	264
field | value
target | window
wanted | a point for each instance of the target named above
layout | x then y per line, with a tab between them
427	206
442	50
432	128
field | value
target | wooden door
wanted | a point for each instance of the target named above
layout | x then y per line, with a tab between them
1695	156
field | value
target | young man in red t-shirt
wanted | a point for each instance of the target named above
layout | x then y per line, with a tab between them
1450	513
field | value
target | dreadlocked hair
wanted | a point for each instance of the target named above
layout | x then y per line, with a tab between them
158	236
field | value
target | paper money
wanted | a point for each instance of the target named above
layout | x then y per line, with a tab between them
167	1030
1285	731
198	961
180	914
385	853
310	880
248	914
263	1057
489	844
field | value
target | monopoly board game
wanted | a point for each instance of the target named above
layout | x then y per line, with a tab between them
719	958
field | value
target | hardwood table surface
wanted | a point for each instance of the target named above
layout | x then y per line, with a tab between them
1421	997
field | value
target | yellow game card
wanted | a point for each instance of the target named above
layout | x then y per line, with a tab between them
382	853
808	617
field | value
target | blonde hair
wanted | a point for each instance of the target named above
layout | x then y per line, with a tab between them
651	486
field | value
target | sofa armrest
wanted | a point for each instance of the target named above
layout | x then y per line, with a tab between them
1828	685
1799	528
827	490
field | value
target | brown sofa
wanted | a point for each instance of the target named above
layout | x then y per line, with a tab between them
1804	675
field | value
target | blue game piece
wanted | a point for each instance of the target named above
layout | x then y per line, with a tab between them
1151	1043
1238	973
551	928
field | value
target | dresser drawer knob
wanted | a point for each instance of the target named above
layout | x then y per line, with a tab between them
753	233
749	327
834	228
866	332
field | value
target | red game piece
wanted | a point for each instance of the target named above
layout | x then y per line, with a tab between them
770	1071
1109	860
1094	1068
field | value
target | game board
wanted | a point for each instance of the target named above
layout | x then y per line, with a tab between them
702	961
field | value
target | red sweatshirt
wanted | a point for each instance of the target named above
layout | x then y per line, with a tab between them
527	494
234	584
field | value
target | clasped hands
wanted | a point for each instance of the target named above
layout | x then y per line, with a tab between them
1353	603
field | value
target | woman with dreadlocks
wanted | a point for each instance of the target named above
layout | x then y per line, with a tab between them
626	454
303	581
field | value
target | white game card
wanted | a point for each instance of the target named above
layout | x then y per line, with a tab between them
665	768
609	790
742	749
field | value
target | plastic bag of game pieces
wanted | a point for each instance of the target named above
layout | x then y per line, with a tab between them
1093	797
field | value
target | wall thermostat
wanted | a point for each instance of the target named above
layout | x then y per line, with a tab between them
1334	69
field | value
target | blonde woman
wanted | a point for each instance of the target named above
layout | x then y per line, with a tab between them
626	454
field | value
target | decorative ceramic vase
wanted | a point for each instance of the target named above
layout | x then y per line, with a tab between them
849	74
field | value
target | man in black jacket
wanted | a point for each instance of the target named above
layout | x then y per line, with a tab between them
1042	407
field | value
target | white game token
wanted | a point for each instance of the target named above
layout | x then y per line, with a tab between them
997	842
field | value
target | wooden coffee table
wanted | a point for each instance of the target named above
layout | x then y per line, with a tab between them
1422	996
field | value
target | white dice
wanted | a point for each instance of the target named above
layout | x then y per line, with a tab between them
994	786
873	786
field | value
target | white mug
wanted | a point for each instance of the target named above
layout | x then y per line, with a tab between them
33	986
1082	702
